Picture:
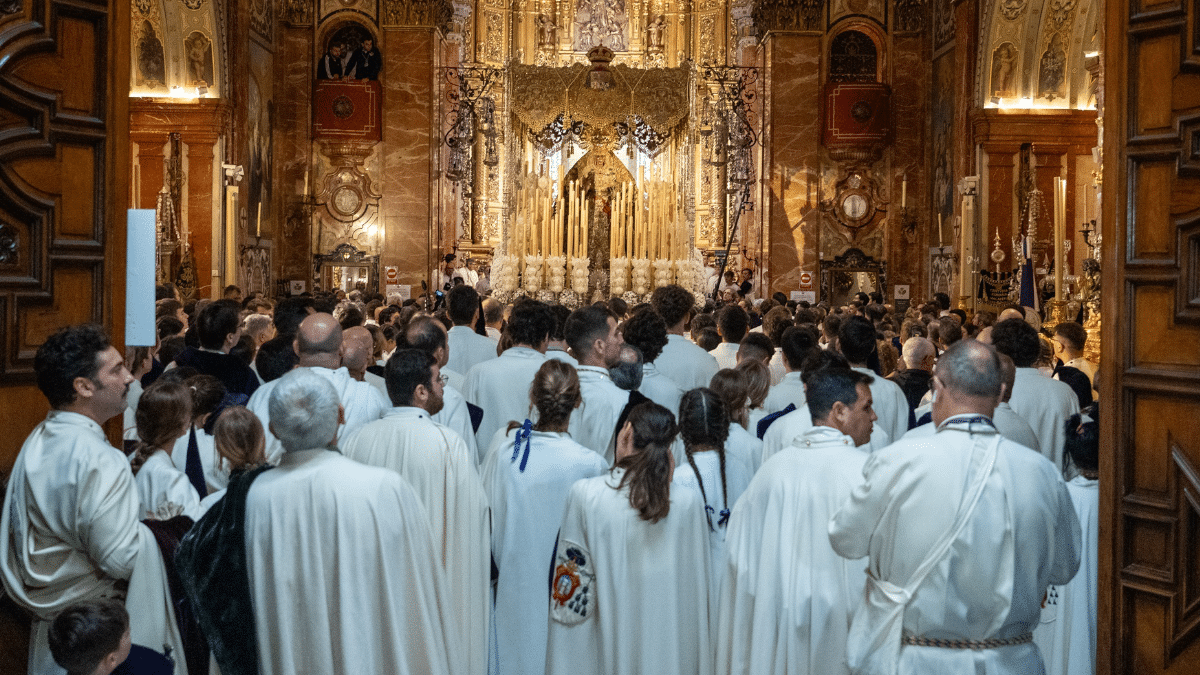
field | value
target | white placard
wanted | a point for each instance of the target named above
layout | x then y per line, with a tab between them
402	290
901	292
139	278
804	296
297	286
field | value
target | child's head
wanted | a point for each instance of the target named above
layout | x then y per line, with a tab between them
239	439
207	393
163	414
91	637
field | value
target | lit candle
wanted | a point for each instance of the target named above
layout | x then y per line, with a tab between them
904	192
1060	211
258	220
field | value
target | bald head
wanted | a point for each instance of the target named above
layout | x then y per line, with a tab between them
319	341
358	346
627	373
971	369
1008	374
1010	313
919	353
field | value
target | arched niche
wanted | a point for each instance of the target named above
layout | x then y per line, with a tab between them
176	49
847	44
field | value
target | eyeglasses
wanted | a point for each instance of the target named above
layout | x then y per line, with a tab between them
445	379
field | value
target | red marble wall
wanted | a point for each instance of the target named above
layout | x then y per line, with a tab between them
909	154
294	57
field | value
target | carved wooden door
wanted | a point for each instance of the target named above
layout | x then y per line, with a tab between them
64	88
1150	453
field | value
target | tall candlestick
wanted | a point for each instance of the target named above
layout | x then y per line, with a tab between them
587	220
258	220
941	236
904	192
1060	208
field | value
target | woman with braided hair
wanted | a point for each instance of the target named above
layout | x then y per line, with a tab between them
527	477
731	387
163	414
630	581
720	476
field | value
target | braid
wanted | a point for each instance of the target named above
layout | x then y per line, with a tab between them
724	490
692	461
141	452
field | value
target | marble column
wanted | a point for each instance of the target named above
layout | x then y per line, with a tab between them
294	57
966	48
410	141
791	156
906	251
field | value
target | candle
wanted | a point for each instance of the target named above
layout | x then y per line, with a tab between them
628	214
258	220
306	182
904	192
587	218
1060	210
941	237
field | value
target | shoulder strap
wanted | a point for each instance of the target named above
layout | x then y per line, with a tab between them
965	511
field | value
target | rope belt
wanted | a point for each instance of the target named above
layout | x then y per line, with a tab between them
991	643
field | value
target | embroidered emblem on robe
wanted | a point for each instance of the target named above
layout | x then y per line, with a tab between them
571	596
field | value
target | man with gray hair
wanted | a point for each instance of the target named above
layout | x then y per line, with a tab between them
319	346
333	545
964	531
919	356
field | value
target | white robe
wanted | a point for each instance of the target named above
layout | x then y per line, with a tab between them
468	349
778	370
686	363
789	391
737	477
646	586
362	403
744	445
1022	537
344	572
561	355
501	387
1046	404
1009	424
71	529
726	354
660	389
130	416
216	474
1067	632
527	508
164	491
594	422
436	462
784	430
787	597
890	404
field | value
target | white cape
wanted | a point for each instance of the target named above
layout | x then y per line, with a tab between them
436	462
527	509
344	574
1067	632
629	596
501	387
787	597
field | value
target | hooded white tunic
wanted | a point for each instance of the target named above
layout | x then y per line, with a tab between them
437	464
660	388
344	572
468	349
1067	633
1046	404
527	508
630	596
686	363
594	422
787	597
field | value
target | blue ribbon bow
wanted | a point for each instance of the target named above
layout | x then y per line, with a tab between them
522	434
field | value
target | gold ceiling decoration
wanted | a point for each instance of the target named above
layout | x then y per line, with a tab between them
659	96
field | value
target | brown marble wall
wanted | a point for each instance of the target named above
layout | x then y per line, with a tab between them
294	57
791	155
408	208
909	156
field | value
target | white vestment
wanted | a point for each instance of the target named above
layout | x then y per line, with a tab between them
686	363
1022	537
629	596
1046	404
1010	425
594	422
890	404
1067	632
468	349
362	403
737	476
778	370
527	508
130	416
789	390
71	529
660	389
787	597
561	355
216	476
453	378
164	491
501	387
787	427
726	354
744	445
344	572
436	462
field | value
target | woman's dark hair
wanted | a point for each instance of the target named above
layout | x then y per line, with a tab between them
704	425
730	385
207	393
164	413
1082	443
554	392
648	470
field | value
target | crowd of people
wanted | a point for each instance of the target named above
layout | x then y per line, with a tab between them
351	483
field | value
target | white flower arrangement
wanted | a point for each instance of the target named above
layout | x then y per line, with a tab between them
662	273
533	274
640	276
557	266
580	275
618	279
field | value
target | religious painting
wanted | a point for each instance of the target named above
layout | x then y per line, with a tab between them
351	53
1004	71
261	116
262	21
151	70
942	113
198	49
1052	70
601	22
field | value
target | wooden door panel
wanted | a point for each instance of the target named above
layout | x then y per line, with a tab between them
1150	488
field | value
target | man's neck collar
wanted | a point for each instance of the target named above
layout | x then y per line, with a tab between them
82	411
329	361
